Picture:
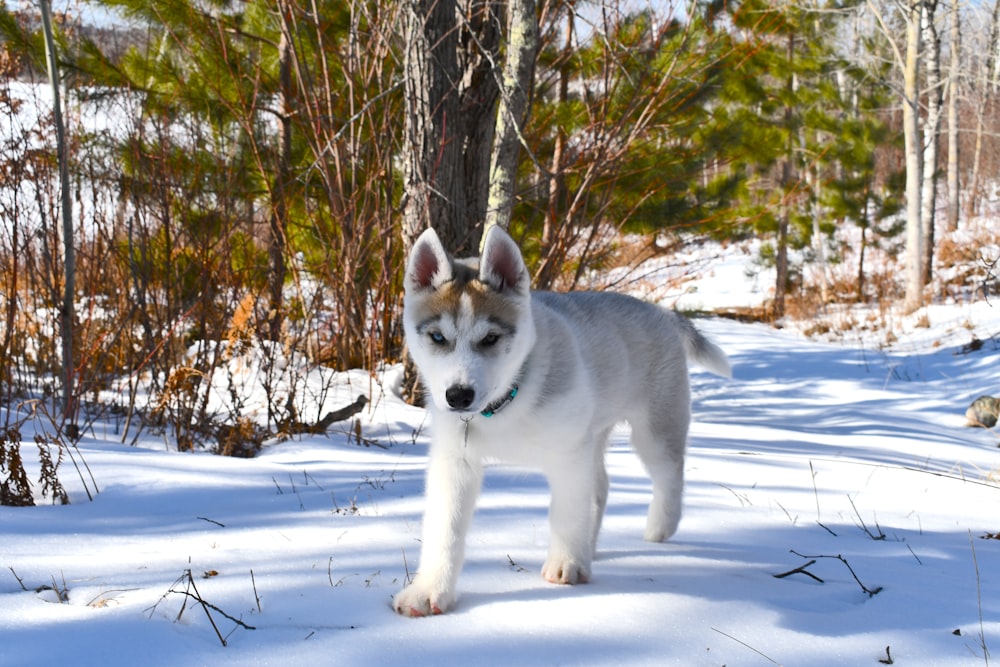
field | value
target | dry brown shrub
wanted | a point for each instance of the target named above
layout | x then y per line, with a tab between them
242	439
241	329
176	405
49	476
951	252
15	489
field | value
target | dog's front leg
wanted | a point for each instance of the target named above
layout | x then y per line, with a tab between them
454	478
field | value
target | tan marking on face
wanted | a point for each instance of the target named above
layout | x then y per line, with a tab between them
430	307
474	299
490	304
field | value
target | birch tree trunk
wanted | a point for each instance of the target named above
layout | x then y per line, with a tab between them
515	96
66	312
931	41
986	89
908	60
954	69
912	149
815	183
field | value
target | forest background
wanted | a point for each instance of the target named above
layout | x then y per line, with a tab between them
248	175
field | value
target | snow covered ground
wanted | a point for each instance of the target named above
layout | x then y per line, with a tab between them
848	456
844	466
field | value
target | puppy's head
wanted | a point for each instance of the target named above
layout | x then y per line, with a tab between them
467	322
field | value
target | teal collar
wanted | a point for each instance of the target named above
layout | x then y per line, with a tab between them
501	403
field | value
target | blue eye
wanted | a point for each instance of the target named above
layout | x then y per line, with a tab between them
438	338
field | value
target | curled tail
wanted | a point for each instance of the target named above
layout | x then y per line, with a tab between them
702	350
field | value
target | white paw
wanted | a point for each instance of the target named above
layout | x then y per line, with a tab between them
660	526
419	599
565	571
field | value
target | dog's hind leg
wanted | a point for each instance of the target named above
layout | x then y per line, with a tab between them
575	501
601	486
660	445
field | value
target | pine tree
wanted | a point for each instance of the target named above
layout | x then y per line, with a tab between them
802	150
787	100
858	192
285	116
231	68
624	127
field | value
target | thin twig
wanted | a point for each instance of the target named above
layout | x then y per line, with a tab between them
872	592
310	477
743	643
406	568
979	601
879	536
514	565
787	513
19	580
744	501
188	579
204	605
935	473
256	596
800	570
60	595
103	594
220	525
812	475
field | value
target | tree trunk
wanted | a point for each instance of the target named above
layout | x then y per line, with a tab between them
815	184
433	190
450	101
67	311
549	266
515	96
450	91
781	256
478	91
986	89
279	205
953	80
931	134
861	265
912	146
781	251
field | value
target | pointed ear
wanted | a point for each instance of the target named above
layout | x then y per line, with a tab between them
428	266
501	265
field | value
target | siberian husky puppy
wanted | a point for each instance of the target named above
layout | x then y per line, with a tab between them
539	379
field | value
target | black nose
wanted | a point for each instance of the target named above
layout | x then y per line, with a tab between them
460	396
